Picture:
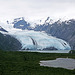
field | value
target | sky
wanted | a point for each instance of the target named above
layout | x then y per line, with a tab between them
37	9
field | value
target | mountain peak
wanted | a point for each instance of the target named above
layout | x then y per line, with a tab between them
18	19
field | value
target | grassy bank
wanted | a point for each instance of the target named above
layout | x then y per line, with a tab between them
27	63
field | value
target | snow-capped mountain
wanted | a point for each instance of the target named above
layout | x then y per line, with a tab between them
42	21
63	29
35	40
20	23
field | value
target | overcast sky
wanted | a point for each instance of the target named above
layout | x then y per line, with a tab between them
36	9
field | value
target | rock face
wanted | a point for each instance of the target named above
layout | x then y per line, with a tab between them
50	48
20	23
1	29
9	43
64	30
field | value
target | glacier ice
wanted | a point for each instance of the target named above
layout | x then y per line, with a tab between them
36	40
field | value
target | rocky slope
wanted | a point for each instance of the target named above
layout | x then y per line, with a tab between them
7	42
20	23
1	29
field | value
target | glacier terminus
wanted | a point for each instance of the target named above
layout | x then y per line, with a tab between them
36	40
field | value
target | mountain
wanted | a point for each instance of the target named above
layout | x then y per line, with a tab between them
17	39
1	29
60	29
20	23
46	21
8	42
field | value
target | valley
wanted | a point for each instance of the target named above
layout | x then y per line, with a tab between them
27	63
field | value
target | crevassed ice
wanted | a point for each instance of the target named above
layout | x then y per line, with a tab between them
39	40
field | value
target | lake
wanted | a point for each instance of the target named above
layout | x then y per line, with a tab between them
45	51
66	63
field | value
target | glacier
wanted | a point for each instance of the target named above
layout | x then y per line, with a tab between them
35	40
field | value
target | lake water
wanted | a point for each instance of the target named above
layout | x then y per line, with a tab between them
66	63
45	51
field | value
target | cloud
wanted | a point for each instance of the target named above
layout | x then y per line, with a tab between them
36	9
